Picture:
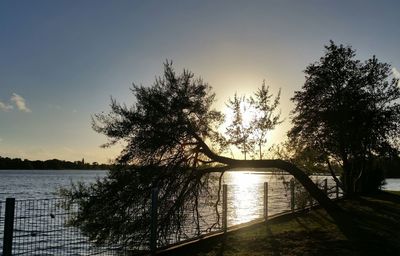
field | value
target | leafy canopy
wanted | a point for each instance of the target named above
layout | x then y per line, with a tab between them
348	110
163	132
253	117
165	124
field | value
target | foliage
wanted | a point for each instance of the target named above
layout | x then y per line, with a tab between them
308	159
250	134
160	129
347	110
116	209
266	116
161	134
239	131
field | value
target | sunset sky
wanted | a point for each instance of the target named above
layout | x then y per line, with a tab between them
60	61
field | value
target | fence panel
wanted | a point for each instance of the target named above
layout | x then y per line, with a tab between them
279	196
41	228
41	225
196	222
245	203
2	205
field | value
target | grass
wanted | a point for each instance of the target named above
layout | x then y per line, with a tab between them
368	226
394	192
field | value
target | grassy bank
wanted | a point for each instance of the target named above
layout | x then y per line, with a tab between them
369	226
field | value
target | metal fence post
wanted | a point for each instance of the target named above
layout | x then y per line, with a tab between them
224	207
337	191
265	201
8	227
326	186
153	230
292	195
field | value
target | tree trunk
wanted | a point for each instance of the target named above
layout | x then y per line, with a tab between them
348	182
335	178
308	184
298	174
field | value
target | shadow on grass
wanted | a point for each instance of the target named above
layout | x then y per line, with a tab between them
371	223
275	244
364	226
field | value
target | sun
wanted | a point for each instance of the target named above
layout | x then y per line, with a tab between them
247	111
240	119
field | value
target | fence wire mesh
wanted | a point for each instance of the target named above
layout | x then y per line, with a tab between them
244	203
42	226
196	222
1	225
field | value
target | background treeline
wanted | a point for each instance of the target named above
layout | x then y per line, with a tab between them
7	163
390	166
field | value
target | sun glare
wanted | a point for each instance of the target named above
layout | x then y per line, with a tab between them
248	113
243	191
245	179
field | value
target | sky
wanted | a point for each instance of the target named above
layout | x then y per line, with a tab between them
61	61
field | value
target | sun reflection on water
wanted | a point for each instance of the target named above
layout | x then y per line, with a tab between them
246	194
244	200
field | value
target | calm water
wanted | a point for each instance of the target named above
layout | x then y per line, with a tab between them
23	184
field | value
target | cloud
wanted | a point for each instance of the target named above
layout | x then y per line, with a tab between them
5	107
20	103
396	73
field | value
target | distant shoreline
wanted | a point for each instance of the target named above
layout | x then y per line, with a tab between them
54	170
7	163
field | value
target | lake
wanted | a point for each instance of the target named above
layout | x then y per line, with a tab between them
245	187
23	184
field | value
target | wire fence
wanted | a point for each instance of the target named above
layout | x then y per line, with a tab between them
1	224
197	222
43	226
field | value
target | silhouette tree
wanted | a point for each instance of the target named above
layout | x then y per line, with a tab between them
348	111
171	142
238	131
266	117
252	119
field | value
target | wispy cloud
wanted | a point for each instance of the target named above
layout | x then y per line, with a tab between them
20	102
396	73
5	107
